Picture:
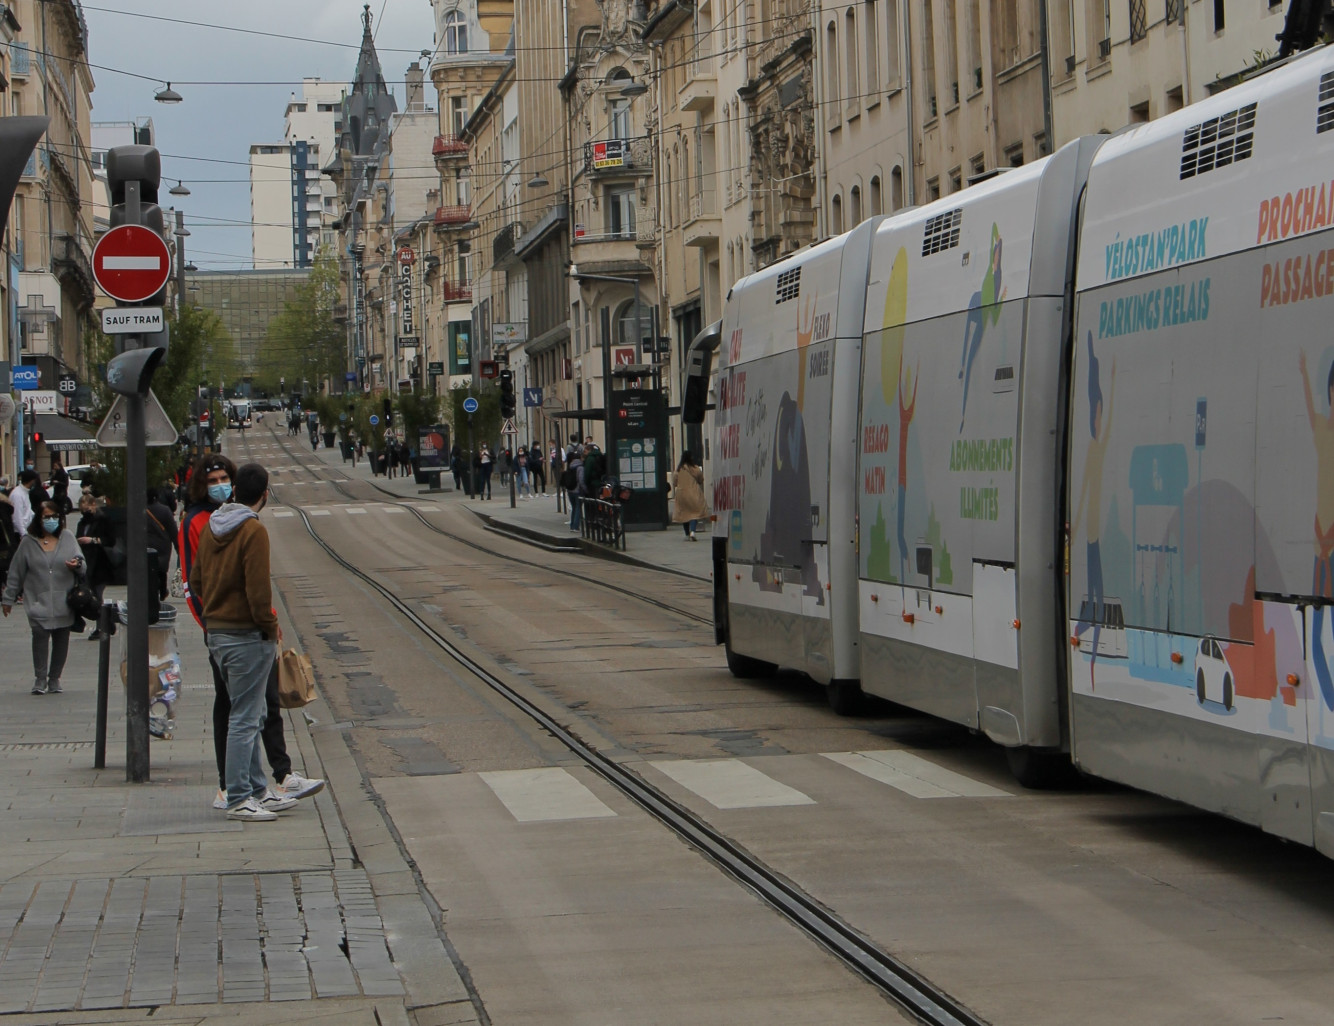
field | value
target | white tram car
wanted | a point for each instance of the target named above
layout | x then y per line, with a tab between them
1012	458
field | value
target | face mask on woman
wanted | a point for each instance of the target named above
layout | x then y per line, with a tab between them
51	524
220	492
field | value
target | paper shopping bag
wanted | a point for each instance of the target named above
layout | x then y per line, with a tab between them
296	679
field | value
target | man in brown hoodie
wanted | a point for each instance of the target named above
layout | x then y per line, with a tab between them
231	578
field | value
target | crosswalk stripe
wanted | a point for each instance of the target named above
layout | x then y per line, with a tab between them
393	509
355	511
914	775
731	784
545	794
318	512
280	513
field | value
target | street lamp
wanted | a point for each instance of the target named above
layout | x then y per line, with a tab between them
179	189
168	95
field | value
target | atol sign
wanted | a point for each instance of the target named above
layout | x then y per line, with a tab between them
405	294
609	153
131	263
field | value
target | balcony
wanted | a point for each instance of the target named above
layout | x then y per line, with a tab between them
449	149
456	291
704	225
74	269
503	245
453	218
605	158
701	87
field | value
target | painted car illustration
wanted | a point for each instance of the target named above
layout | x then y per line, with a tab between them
1213	676
1111	624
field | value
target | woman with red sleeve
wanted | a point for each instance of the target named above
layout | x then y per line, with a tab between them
210	487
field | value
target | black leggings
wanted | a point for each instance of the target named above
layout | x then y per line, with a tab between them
271	733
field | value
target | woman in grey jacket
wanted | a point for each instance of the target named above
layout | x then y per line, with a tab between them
44	568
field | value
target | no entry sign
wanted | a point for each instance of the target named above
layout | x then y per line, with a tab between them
131	263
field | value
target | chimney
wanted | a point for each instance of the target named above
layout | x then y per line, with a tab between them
416	97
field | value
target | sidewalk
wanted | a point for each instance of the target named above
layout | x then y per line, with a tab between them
116	895
538	521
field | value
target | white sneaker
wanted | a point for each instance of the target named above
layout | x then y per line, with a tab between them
294	785
250	810
275	802
220	801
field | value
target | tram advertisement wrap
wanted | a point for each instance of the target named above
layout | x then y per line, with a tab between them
1202	477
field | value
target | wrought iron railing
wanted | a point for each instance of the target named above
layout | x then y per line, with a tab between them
1138	21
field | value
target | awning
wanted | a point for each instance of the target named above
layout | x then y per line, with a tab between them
60	434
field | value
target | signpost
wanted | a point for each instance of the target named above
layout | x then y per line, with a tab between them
158	429
132	320
470	407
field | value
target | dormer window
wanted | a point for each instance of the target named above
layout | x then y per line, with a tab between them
456	33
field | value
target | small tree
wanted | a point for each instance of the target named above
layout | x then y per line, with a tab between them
417	411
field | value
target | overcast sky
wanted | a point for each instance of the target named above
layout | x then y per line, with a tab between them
236	86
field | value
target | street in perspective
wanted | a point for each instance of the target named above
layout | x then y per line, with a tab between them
649	512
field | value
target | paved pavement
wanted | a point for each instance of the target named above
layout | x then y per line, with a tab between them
142	898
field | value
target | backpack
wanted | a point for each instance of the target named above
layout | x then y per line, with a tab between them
569	478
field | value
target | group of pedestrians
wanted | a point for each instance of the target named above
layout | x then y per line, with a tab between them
223	555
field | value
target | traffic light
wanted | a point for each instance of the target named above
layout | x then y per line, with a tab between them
507	393
133	176
388	411
36	438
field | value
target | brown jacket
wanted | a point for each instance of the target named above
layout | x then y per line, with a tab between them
688	492
231	576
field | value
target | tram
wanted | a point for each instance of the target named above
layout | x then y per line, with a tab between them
1050	458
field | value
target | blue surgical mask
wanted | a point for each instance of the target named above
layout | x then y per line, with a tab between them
220	493
52	524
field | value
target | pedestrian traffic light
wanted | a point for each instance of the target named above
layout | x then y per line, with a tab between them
142	164
388	411
507	407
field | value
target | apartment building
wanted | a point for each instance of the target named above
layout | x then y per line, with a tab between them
51	219
472	39
613	204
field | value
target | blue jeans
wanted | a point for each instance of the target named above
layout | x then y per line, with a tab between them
574	509
244	658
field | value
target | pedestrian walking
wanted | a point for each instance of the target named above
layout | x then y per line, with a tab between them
230	575
161	537
211	487
521	474
687	494
486	463
572	480
456	467
506	463
60	486
45	567
21	498
537	468
93	533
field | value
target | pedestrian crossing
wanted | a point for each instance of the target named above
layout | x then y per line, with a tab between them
553	793
283	512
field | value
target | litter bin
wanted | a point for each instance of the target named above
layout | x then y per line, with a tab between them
164	669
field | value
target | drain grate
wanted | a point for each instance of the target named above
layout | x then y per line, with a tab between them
46	746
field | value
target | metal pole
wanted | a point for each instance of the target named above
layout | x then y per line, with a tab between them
471	449
105	618
180	263
136	581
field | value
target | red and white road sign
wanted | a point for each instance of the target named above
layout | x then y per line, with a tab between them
131	263
406	256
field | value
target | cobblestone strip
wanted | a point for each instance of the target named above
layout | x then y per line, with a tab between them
155	953
28	945
284	936
329	966
366	946
113	951
67	963
198	954
242	957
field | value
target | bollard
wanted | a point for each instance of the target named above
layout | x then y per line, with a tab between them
106	624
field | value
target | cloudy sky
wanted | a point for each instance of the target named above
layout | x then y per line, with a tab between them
236	85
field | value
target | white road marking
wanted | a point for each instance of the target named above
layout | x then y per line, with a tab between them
283	513
338	480
355	511
731	784
425	505
914	775
317	512
391	509
550	793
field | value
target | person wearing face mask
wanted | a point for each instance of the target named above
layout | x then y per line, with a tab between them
94	536
44	568
209	488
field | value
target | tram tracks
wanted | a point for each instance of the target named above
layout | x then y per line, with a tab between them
639	595
897	981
